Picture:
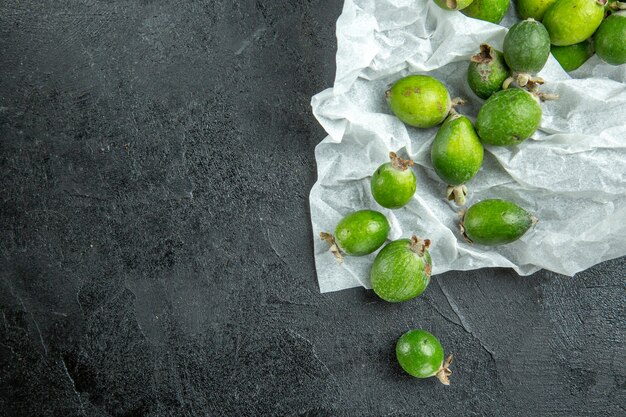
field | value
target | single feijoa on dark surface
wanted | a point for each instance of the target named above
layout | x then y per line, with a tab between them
487	71
508	117
359	233
488	10
610	39
533	8
419	100
572	21
495	222
401	270
573	56
453	4
457	155
393	183
526	47
421	355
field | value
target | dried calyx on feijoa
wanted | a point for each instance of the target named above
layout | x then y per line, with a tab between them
421	355
487	71
359	233
393	183
495	222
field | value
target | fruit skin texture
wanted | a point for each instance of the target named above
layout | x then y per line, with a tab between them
401	270
610	39
453	4
487	71
572	21
419	100
392	187
457	153
419	353
495	222
362	232
488	10
572	56
508	117
533	8
526	46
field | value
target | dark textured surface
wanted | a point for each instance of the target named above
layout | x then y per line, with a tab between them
155	162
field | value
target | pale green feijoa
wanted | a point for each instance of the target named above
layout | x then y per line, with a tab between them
359	233
495	222
420	354
572	56
419	100
457	155
453	4
401	270
487	71
508	117
526	47
393	183
610	39
533	8
572	21
488	10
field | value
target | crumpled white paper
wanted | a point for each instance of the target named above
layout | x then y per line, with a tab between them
571	174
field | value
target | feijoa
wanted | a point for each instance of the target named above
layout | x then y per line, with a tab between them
393	183
453	4
419	100
495	222
572	21
572	56
488	10
457	155
401	270
508	117
420	354
359	233
526	47
533	8
610	39
487	71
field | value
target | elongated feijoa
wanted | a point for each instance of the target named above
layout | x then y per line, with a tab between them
533	8
572	56
359	233
508	117
420	354
419	100
457	155
610	39
453	4
488	10
401	270
393	183
487	71
526	46
495	222
572	21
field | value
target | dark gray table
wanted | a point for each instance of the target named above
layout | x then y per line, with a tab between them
156	159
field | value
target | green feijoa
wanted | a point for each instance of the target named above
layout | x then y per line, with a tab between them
487	71
393	183
419	100
495	222
508	117
572	56
533	8
526	46
359	233
457	155
401	270
610	39
453	4
572	21
488	10
420	354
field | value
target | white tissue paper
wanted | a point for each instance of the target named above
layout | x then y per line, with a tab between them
571	174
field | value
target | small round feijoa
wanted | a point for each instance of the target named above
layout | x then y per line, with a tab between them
495	222
610	39
488	10
453	4
487	71
419	100
361	232
401	270
393	183
421	355
572	21
572	56
526	46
